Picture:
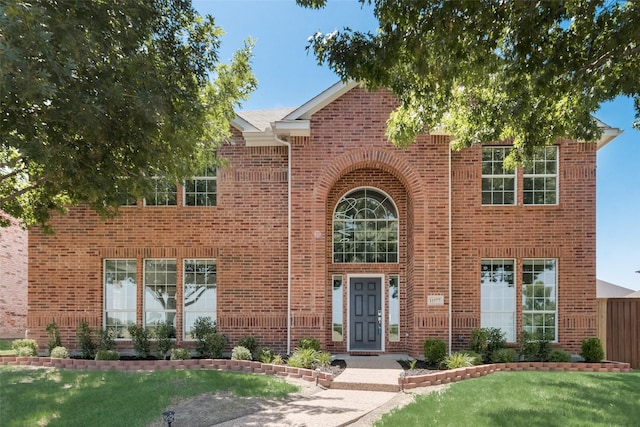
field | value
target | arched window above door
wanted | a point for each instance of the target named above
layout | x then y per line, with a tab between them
365	228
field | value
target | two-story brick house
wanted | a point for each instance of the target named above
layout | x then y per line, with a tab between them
320	227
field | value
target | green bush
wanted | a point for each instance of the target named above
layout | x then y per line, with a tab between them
164	333
107	341
59	353
485	341
240	353
435	350
53	332
458	360
180	354
210	343
25	347
478	342
534	347
85	339
308	342
250	343
477	358
140	339
591	350
503	355
309	358
496	339
107	355
559	356
278	360
265	355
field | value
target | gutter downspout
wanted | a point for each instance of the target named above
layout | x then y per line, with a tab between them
288	145
450	253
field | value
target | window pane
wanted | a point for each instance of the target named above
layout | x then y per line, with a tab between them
540	178
120	277
497	296
199	292
337	296
364	223
539	297
394	308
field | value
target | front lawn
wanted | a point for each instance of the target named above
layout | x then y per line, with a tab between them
528	399
60	397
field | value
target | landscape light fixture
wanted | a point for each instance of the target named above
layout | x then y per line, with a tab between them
167	416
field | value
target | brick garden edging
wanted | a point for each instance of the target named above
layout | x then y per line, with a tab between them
323	378
454	375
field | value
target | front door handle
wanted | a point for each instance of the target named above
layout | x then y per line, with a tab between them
380	317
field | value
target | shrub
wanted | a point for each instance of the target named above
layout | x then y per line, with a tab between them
210	344
25	347
478	342
503	355
165	333
324	358
496	339
278	360
458	360
435	350
59	353
534	347
309	358
477	358
107	342
180	354
250	343
85	339
557	355
107	355
240	353
140	338
591	350
265	355
53	332
308	342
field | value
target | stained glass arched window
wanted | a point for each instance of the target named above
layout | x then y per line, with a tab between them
365	228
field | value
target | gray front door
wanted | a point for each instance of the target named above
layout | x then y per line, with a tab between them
365	318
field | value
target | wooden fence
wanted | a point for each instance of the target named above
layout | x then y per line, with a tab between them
623	330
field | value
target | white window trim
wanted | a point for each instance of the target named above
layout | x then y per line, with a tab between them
546	175
513	175
555	312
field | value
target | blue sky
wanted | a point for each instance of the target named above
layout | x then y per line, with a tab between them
288	76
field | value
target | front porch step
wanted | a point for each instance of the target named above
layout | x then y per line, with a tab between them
337	385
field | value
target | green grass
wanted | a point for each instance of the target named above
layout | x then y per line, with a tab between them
5	348
528	399
59	397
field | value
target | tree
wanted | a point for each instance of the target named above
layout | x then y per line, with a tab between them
488	70
97	97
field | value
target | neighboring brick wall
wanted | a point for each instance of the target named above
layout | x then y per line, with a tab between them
247	234
13	281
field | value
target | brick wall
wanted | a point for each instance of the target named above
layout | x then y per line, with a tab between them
13	281
247	234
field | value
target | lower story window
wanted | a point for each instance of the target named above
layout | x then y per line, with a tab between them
199	292
337	295
498	296
539	287
159	292
394	308
119	296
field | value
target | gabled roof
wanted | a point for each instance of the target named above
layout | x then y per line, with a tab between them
609	290
262	127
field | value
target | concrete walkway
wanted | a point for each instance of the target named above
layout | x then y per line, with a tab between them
365	390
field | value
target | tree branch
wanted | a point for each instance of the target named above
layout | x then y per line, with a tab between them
22	191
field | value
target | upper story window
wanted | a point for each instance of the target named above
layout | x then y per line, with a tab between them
201	190
365	228
498	182
540	180
164	193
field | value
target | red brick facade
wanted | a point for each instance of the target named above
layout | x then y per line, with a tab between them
13	281
261	292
